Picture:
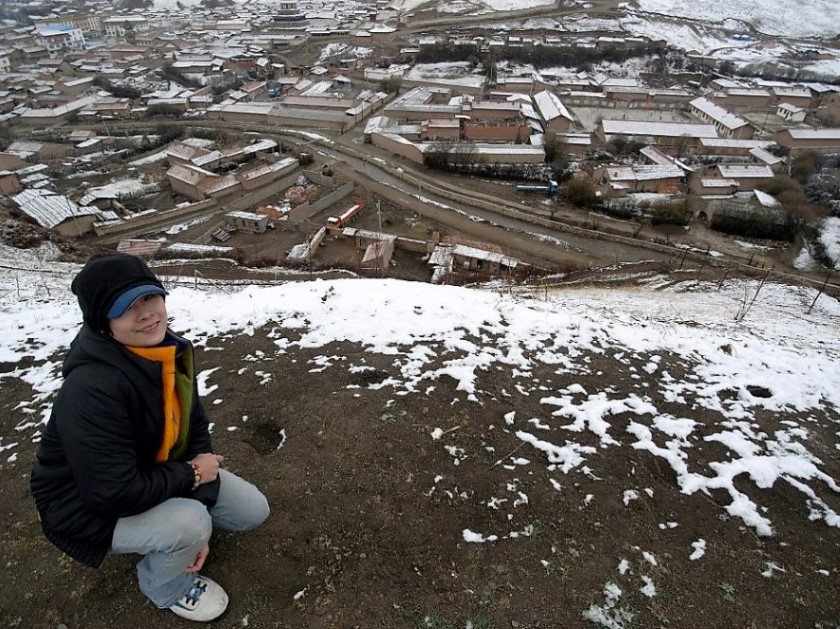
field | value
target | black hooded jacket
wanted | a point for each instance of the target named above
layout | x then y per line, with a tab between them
95	462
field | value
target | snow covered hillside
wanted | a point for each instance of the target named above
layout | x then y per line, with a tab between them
731	389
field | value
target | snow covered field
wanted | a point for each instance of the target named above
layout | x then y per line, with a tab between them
720	31
787	18
773	345
731	389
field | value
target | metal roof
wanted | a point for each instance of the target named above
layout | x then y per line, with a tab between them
550	106
663	129
49	209
740	171
718	113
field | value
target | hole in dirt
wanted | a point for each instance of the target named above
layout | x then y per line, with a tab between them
366	378
265	437
759	391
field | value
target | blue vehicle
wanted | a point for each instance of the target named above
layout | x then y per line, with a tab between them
550	189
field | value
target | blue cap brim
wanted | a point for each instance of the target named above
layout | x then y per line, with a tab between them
124	301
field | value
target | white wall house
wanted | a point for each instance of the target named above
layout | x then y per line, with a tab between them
60	38
728	125
121	27
791	113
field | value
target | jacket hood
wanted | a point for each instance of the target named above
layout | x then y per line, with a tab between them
104	279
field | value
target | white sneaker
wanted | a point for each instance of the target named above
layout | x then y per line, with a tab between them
203	602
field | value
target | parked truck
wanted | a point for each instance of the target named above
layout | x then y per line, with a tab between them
342	220
550	189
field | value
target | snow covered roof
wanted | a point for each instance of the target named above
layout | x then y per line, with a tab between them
718	113
495	105
261	145
184	247
250	108
765	199
88	143
638	172
181	151
733	143
727	83
745	171
23	148
55	112
765	156
748	91
656	156
481	254
202	160
792	91
717	182
578	139
248	216
441	123
49	209
790	108
664	129
815	134
550	107
188	174
216	184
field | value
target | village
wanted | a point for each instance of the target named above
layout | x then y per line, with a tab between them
517	313
199	133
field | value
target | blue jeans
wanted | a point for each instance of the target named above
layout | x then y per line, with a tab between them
171	534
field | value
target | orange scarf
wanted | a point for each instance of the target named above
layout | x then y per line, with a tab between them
165	355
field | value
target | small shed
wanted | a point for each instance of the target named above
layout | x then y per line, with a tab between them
140	247
9	182
249	222
791	113
378	254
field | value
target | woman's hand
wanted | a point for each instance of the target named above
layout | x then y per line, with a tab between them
198	562
208	464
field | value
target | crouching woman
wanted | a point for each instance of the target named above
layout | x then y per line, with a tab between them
125	463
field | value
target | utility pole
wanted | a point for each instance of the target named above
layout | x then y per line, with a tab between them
378	244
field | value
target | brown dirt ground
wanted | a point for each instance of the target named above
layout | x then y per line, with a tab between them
357	529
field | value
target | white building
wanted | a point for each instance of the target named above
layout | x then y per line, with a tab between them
727	124
127	26
791	113
60	38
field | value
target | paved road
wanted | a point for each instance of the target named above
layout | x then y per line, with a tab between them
522	239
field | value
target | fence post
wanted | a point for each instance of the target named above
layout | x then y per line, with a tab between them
820	292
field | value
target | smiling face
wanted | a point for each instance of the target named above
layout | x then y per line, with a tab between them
143	324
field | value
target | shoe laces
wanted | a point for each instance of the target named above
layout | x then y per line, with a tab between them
194	593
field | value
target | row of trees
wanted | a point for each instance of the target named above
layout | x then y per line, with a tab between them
540	56
170	73
766	224
735	218
117	90
462	158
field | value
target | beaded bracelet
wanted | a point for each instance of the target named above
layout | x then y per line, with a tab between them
197	475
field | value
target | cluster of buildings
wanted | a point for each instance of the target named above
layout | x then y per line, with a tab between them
202	178
96	64
721	139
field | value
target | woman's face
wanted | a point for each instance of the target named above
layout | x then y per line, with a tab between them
143	324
